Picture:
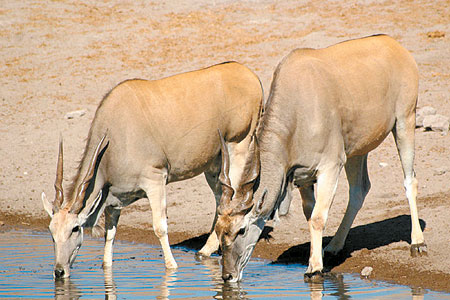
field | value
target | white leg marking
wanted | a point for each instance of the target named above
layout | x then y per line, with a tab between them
111	219
326	189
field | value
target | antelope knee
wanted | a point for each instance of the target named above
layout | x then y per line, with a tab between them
410	182
160	229
317	222
411	186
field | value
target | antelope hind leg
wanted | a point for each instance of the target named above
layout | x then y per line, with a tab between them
404	139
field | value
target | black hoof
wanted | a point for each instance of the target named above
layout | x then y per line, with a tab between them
419	250
316	276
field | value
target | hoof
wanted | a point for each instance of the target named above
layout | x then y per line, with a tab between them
419	250
316	276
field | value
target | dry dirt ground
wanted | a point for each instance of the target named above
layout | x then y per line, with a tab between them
61	56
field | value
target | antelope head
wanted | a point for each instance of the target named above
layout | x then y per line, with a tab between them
68	217
238	225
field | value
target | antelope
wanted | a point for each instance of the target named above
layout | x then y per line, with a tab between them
327	109
146	134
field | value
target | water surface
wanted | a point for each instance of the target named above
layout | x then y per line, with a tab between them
138	272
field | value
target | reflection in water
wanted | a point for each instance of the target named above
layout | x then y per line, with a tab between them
343	291
316	290
223	290
65	289
417	293
317	287
139	273
169	280
110	285
231	291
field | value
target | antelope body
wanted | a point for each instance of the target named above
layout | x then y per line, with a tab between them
144	135
327	109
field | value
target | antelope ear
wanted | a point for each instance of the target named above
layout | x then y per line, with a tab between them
90	209
48	205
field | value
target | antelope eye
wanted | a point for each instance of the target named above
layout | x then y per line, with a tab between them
76	229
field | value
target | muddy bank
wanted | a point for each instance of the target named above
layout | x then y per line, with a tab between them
353	259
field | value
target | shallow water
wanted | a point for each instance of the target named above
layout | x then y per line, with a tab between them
26	262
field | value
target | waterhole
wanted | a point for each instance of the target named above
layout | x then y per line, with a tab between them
138	272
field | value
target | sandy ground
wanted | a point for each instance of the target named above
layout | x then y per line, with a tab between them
62	56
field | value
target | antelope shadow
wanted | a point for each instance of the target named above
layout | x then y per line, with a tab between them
368	236
194	243
197	242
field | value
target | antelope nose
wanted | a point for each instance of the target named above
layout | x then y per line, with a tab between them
59	273
227	277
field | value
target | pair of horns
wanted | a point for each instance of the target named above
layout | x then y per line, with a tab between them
81	190
249	175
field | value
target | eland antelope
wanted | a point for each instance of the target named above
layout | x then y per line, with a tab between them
327	109
146	134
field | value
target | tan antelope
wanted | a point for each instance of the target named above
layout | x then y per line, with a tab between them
327	109
146	134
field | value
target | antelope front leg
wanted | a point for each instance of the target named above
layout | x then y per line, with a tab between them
326	189
111	219
156	194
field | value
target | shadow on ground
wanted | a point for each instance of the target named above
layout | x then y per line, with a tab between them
196	243
368	236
